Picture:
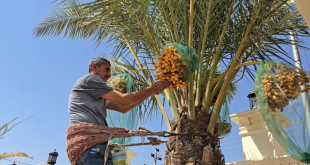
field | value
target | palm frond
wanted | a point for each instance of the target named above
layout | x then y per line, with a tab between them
13	154
64	19
6	127
3	130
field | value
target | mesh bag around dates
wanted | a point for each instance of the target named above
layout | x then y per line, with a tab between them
121	82
225	122
175	65
187	54
283	99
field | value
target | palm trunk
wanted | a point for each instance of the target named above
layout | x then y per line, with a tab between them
197	146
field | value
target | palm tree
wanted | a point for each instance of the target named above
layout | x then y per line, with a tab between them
226	35
3	130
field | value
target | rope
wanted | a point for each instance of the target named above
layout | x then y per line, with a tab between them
107	149
90	131
145	132
142	132
131	144
153	142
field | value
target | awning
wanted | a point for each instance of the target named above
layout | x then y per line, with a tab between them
304	9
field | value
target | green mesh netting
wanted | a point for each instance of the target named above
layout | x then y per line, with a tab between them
187	54
225	122
123	83
283	99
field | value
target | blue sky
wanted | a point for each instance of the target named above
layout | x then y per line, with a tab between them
37	75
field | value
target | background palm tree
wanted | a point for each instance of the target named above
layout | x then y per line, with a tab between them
226	35
3	130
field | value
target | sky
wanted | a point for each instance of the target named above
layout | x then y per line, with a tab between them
37	75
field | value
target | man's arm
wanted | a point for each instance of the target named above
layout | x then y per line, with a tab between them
124	109
126	99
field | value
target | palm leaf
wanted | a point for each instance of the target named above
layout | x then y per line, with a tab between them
6	127
13	154
63	19
3	130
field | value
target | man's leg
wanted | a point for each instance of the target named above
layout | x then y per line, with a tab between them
95	156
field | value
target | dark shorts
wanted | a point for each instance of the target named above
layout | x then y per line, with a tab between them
95	156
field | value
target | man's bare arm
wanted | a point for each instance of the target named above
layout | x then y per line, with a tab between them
125	99
124	109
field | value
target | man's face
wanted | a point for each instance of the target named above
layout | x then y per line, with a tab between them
104	71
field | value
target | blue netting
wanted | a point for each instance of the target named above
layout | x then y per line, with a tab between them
123	83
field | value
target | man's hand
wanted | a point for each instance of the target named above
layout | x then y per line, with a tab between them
159	86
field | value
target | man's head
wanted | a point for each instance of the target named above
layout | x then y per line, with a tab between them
101	67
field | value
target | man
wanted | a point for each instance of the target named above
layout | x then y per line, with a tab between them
91	97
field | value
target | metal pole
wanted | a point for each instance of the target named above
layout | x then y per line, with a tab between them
304	95
295	51
155	156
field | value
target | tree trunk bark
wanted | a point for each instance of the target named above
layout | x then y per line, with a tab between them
197	146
